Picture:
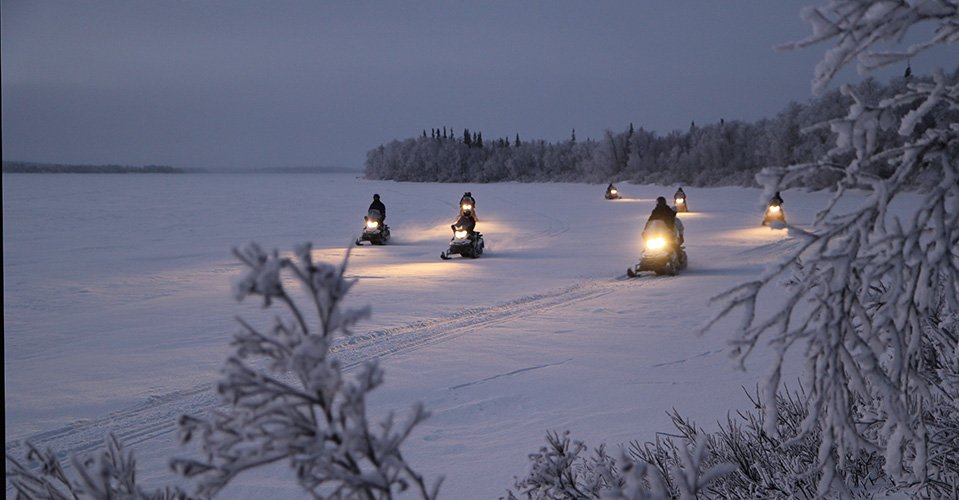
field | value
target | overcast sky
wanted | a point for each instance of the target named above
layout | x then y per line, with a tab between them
282	83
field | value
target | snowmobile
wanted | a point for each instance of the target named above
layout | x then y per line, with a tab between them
374	229
680	203
663	250
774	213
612	193
465	243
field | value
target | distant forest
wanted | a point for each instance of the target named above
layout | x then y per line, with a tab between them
725	153
19	167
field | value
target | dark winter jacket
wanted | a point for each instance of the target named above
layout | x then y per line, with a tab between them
466	222
665	214
378	205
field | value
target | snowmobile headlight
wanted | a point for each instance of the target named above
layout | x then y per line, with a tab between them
613	191
459	234
774	208
372	224
466	206
680	200
657	243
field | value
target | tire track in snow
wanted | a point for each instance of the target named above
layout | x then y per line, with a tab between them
157	416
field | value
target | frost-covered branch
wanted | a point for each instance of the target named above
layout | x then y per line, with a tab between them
873	289
107	474
858	26
290	401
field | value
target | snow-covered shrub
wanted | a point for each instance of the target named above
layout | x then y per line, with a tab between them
741	459
106	474
657	470
877	312
291	401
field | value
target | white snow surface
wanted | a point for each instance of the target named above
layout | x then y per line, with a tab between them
118	311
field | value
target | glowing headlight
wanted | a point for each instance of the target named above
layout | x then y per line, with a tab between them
657	243
774	208
467	206
459	234
613	191
372	224
680	200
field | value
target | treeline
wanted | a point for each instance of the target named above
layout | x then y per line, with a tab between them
724	153
14	167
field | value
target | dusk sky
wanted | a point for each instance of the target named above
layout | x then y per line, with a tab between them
256	84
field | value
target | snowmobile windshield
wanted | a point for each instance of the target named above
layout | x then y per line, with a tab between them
375	214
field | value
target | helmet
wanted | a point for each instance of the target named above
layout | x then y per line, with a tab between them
376	196
660	201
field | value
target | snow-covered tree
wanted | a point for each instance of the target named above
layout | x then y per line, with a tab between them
106	474
291	401
874	297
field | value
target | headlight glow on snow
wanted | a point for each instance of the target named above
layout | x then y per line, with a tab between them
371	224
657	243
459	234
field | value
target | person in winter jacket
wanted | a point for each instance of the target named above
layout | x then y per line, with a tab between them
466	221
378	205
776	200
663	212
468	199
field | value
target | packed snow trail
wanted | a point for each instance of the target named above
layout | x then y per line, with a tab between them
158	415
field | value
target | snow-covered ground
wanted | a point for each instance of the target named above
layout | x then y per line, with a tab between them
118	311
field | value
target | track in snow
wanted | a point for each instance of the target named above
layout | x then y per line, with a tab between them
157	416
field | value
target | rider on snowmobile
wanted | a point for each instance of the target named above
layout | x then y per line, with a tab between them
468	202
663	212
467	222
611	192
379	206
776	200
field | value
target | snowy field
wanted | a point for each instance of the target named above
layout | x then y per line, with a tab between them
118	311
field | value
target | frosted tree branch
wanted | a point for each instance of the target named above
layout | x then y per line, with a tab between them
290	400
869	291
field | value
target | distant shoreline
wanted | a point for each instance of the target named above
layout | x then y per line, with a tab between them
19	167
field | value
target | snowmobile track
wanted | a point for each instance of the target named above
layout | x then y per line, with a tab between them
157	416
378	343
